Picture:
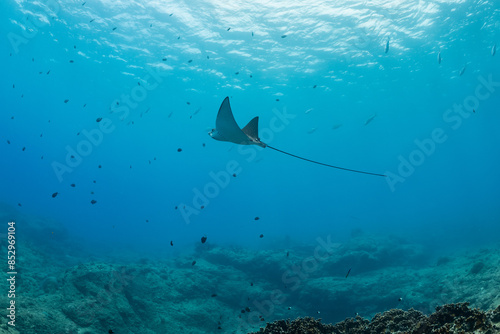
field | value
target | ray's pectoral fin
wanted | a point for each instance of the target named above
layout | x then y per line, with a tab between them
226	128
252	131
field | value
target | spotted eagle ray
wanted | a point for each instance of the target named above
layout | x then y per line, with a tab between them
226	129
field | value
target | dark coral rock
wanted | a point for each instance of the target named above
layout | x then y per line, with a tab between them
448	319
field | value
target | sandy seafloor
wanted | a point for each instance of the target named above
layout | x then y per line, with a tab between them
66	286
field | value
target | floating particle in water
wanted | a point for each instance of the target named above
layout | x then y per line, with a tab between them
71	61
311	130
176	207
164	59
94	181
19	204
54	195
252	33
99	166
151	25
171	14
179	150
8	141
237	73
91	20
251	76
13	85
66	101
202	207
74	46
283	36
48	72
12	117
208	57
73	185
256	218
190	61
261	236
277	100
251	283
234	175
188	103
24	148
92	193
214	295
83	4
85	105
203	145
98	119
171	242
203	239
193	263
315	86
179	37
93	202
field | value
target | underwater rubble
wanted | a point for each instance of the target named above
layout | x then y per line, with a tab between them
447	319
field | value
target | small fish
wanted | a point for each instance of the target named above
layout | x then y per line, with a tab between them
439	57
387	45
48	71
164	59
54	195
91	20
369	120
256	218
111	332
228	29
261	236
252	33
171	243
493	50
190	61
114	28
93	201
193	263
24	149
71	61
287	253
203	239
237	73
214	295
179	150
73	185
315	86
83	4
283	36
462	71
98	119
171	14
66	101
400	299
348	272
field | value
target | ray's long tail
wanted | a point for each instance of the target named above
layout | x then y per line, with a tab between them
327	165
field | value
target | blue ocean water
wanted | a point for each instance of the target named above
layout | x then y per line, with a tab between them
131	89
